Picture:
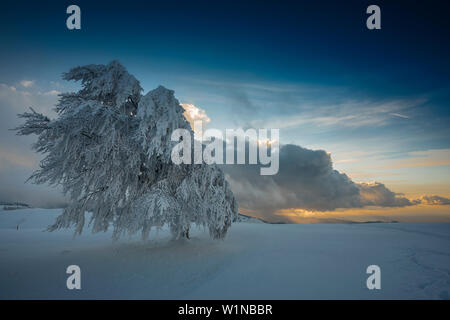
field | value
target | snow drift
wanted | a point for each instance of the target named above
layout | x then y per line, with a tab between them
255	261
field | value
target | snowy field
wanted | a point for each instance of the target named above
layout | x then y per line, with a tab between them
255	261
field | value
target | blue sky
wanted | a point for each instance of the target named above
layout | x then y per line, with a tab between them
377	100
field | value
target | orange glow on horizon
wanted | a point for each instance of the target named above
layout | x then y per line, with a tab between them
416	213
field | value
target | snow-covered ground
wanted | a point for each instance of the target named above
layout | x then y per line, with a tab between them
255	261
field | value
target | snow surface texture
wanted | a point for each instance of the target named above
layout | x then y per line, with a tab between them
255	261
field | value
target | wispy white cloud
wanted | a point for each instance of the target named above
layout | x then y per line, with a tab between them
51	93
14	158
27	83
351	114
399	115
415	159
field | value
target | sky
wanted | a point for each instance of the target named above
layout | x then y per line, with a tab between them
375	101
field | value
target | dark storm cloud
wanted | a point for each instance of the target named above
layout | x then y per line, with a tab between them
307	180
377	194
433	200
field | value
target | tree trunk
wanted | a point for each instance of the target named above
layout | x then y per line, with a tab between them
186	233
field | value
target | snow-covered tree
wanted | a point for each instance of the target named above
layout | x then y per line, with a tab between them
110	150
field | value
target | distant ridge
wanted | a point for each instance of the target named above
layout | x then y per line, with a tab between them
13	205
244	218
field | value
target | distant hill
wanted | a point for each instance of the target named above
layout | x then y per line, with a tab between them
13	205
245	218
